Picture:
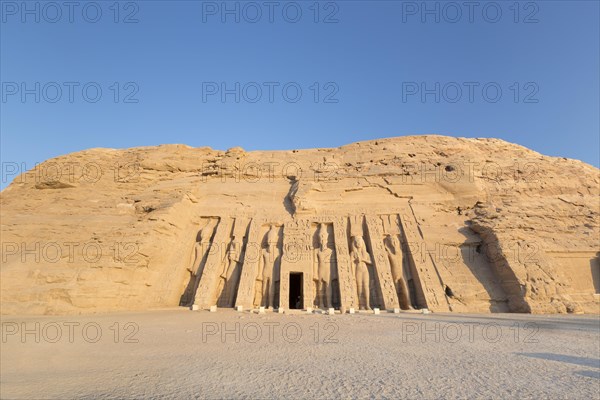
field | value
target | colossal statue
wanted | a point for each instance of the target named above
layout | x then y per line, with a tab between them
269	268
323	271
231	273
394	251
361	259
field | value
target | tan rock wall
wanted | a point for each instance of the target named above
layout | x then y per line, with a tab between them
484	226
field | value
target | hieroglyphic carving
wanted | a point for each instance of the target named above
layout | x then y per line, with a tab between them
296	257
428	277
346	280
250	268
381	263
206	293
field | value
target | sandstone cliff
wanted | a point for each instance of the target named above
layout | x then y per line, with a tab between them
482	225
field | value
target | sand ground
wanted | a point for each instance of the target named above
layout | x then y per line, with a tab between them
178	353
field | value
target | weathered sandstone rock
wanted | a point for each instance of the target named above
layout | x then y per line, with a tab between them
447	224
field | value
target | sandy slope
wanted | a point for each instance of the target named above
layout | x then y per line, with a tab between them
171	354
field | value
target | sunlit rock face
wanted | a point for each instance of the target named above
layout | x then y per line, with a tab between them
448	224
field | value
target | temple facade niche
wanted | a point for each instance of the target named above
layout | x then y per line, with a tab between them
231	267
325	276
394	251
401	263
361	270
429	290
269	269
228	239
199	254
364	268
346	278
230	273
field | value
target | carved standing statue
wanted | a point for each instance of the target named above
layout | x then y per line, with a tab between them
200	248
269	268
195	268
233	271
394	251
322	273
360	269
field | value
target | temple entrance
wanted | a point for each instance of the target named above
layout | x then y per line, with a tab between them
296	295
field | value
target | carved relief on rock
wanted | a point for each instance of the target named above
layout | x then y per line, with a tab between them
361	260
393	248
269	269
325	270
199	254
230	274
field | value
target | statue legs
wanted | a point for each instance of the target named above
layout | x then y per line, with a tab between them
232	280
403	297
272	288
362	282
324	294
267	292
328	302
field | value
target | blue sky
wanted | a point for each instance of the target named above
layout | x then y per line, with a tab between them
526	72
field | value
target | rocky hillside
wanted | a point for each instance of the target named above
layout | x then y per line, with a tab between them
485	226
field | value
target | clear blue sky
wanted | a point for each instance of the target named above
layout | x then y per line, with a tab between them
370	60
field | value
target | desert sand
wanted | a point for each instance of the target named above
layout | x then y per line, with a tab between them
183	354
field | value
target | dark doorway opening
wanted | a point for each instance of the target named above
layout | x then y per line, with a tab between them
296	295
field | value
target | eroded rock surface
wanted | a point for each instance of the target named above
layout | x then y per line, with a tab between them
449	224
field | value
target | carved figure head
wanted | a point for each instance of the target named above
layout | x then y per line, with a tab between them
394	242
201	236
358	242
272	236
